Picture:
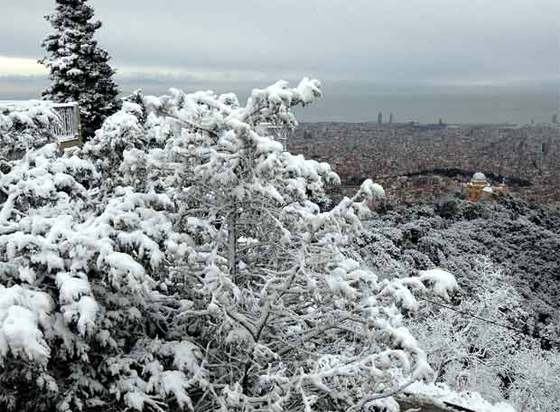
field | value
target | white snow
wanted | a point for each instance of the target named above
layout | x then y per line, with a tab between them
21	313
87	308
124	263
21	334
174	383
71	288
439	393
441	281
308	90
372	190
185	355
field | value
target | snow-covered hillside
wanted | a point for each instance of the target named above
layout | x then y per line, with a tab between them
500	337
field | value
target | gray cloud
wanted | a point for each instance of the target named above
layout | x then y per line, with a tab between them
459	41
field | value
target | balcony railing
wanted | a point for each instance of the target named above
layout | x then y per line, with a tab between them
68	131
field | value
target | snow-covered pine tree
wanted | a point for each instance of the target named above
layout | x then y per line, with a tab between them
119	288
79	68
272	288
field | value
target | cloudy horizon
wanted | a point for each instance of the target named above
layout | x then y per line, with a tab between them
476	45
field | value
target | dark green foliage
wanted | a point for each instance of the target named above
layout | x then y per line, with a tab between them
79	68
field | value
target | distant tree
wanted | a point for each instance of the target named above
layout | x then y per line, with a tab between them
79	68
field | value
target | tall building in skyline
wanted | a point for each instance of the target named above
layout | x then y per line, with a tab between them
380	118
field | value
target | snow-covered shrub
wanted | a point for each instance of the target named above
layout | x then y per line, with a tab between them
121	133
79	275
535	376
468	354
180	260
520	292
523	238
23	126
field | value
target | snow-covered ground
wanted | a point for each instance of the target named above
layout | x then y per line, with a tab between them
441	396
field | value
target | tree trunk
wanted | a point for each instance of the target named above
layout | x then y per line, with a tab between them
232	242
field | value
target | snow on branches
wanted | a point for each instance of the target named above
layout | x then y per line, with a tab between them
23	126
182	260
78	68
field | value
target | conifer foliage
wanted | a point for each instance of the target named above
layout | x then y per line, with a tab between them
179	261
79	68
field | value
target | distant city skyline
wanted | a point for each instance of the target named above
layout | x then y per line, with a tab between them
362	102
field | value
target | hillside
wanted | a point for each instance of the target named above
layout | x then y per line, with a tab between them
522	238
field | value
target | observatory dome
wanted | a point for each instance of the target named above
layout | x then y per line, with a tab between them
479	176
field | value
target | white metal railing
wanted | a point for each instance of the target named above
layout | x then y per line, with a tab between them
68	129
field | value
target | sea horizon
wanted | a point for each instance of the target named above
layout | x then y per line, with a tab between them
361	102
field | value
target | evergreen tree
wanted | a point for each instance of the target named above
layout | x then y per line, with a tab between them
79	68
179	261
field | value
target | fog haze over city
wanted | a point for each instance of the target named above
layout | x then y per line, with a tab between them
429	60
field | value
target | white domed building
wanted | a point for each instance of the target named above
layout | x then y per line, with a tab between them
479	188
479	177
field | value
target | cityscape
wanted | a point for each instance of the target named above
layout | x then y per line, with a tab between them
416	161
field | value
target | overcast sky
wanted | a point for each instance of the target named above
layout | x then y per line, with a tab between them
394	41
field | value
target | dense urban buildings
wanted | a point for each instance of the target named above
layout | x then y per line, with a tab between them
414	160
